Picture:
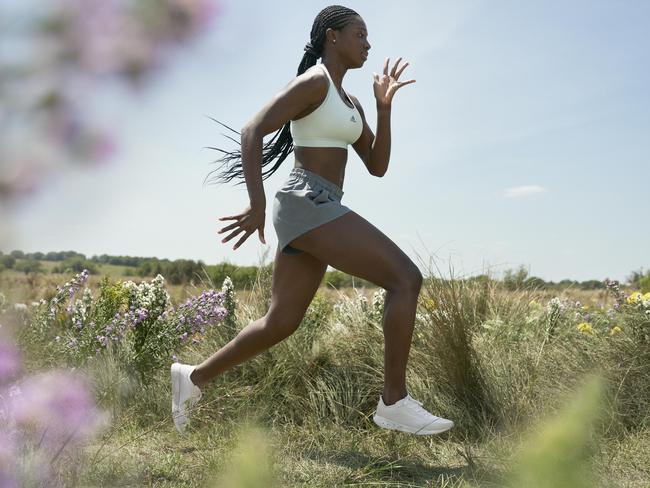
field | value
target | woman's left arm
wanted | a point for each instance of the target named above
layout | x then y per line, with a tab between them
374	150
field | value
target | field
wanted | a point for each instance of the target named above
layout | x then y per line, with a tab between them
546	390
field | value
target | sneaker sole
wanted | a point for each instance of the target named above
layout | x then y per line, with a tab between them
176	396
176	386
389	424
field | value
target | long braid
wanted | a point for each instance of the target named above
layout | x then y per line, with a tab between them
281	144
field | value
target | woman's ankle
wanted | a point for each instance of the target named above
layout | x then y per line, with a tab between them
195	377
391	396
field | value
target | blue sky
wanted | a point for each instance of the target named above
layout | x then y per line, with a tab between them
524	140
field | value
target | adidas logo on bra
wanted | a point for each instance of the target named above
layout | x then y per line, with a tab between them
352	119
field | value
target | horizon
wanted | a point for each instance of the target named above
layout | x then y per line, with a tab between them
94	255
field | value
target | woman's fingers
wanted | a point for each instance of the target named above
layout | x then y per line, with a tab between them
402	83
228	227
393	71
386	66
233	234
400	70
243	238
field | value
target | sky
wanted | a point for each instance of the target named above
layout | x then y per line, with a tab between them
524	140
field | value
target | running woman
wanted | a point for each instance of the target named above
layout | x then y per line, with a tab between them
314	117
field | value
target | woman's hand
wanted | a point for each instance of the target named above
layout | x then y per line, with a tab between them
248	221
387	84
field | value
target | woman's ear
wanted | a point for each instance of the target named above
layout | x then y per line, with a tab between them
330	35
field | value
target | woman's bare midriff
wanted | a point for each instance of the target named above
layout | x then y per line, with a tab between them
328	162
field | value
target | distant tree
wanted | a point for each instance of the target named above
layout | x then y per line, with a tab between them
29	266
634	278
592	285
18	254
535	283
482	278
8	261
514	279
644	283
75	265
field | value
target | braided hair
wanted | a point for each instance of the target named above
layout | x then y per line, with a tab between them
281	144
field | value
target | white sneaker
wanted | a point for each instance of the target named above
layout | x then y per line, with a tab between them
185	394
407	415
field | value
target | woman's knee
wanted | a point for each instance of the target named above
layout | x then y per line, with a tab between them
279	325
409	280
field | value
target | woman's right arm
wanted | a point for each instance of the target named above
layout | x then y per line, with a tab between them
298	96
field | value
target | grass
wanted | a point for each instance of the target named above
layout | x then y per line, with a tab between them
531	409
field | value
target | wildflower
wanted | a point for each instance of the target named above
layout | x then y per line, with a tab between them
57	407
585	328
430	303
555	304
635	297
615	330
646	300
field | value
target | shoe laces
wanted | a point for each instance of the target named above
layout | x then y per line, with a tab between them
417	406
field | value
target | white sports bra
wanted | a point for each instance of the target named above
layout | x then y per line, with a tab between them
332	124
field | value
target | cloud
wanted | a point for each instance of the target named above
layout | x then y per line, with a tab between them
522	191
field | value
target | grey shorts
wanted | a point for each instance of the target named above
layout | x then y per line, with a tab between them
305	201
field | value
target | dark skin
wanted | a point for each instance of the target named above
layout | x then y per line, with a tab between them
296	277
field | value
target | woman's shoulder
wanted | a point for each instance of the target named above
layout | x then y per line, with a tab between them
313	80
314	75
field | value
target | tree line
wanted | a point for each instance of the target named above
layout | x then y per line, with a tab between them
187	271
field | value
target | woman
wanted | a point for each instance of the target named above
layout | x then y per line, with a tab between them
316	118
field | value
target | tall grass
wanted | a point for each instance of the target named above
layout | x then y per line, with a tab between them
489	359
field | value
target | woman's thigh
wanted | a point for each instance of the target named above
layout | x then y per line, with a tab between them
353	245
296	278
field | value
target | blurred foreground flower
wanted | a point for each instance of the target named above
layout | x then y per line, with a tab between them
9	360
56	57
559	452
43	418
635	297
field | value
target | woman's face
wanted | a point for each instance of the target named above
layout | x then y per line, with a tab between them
352	42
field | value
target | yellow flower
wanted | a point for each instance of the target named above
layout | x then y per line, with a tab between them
430	303
646	297
615	330
635	297
585	328
534	304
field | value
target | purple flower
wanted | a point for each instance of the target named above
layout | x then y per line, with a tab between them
9	360
56	406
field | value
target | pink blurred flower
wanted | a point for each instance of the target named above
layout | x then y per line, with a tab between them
58	407
9	360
